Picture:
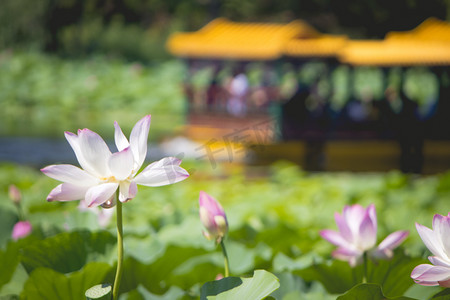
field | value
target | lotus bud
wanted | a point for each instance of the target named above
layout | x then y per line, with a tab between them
21	230
213	218
14	194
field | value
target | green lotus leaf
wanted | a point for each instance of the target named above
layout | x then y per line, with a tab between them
261	285
368	291
69	251
47	284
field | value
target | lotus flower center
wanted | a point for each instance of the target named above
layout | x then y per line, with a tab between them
109	179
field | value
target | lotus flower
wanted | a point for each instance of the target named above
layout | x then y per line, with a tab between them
358	234
438	242
213	217
21	229
104	172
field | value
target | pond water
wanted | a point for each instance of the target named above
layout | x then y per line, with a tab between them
39	152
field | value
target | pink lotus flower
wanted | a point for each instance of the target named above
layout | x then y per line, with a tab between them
358	234
21	229
213	217
438	242
104	172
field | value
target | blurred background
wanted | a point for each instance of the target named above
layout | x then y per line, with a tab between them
284	111
330	86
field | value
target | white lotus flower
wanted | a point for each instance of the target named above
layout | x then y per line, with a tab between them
104	172
437	241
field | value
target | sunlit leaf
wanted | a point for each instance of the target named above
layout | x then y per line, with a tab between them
257	287
422	292
99	292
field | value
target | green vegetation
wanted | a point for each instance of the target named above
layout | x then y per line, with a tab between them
274	225
123	27
43	95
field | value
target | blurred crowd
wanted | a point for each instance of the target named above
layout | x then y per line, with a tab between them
316	101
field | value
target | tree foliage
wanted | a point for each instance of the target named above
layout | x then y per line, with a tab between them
82	27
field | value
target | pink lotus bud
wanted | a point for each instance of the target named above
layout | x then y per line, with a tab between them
14	194
219	276
213	217
21	230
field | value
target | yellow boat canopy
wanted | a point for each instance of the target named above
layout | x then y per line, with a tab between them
406	52
431	29
324	45
224	39
427	44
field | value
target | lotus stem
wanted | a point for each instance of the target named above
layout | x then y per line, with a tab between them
119	251
225	258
